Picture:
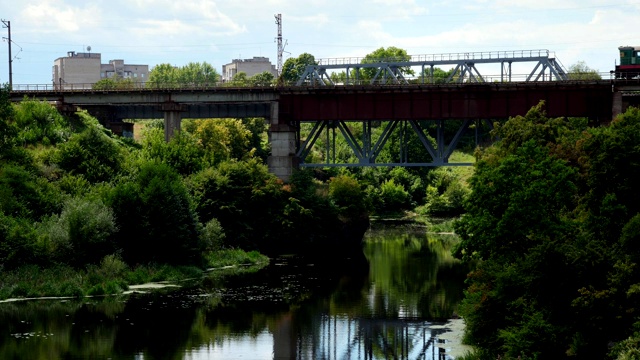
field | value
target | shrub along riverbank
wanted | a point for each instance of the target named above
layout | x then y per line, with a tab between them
78	201
113	276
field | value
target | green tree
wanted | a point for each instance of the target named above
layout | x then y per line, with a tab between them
156	219
239	79
163	75
7	130
80	234
348	196
39	122
520	223
381	55
182	152
439	76
92	154
264	78
293	68
246	199
25	195
114	83
580	71
198	74
223	139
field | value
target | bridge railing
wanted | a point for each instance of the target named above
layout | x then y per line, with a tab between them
629	78
513	54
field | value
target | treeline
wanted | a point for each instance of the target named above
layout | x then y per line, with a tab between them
553	222
74	193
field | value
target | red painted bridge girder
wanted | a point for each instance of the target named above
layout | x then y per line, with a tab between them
460	101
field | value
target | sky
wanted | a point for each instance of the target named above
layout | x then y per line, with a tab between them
156	32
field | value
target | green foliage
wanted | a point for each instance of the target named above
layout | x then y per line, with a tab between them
244	197
293	68
18	243
224	139
155	216
24	195
264	78
390	54
92	154
39	122
628	349
230	257
198	74
553	217
182	152
7	130
192	74
447	191
80	234
438	76
114	83
389	197
163	75
239	79
580	71
212	235
347	195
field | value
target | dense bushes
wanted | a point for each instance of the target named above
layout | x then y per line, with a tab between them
72	193
80	234
553	222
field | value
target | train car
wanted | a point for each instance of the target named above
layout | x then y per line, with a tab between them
629	67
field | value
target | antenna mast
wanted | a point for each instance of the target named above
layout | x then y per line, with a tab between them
7	24
279	39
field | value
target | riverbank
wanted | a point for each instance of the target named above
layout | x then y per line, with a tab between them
113	276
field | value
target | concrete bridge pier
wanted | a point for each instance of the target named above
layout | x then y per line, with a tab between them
617	107
172	119
282	138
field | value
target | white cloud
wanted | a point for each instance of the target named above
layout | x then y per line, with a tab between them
159	31
52	17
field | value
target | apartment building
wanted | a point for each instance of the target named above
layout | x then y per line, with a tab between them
82	70
251	67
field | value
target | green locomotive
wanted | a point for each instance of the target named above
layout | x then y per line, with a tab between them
629	62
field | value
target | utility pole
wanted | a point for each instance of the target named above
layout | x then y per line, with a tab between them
279	39
7	24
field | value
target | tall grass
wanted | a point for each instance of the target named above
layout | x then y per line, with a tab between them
111	276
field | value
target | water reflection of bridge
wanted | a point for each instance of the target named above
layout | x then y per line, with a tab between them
340	337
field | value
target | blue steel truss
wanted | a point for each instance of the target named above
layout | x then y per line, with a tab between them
392	71
367	149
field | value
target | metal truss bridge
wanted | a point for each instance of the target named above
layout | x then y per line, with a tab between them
394	71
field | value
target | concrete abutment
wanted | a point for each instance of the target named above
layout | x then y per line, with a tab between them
282	138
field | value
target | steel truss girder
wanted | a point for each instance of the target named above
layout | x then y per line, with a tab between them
555	71
465	70
366	150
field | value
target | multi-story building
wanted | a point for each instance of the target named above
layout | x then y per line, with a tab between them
250	67
82	70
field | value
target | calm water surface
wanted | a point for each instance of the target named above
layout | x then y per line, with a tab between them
388	303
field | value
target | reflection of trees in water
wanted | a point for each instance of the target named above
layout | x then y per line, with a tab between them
413	275
373	307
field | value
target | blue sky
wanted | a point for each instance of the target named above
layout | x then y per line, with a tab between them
216	31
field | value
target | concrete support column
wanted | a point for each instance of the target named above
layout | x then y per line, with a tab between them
172	119
617	104
282	138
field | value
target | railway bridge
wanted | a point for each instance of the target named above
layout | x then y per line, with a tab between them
331	108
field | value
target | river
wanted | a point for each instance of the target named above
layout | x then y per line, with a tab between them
393	301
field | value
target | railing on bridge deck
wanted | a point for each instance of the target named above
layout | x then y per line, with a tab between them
412	80
462	56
